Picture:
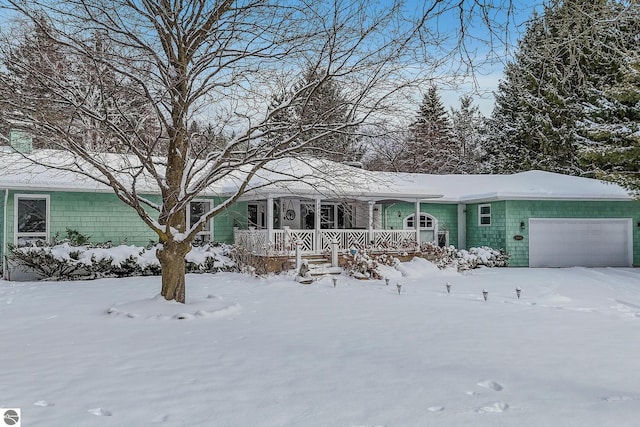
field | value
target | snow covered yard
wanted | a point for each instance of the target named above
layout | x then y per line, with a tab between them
272	352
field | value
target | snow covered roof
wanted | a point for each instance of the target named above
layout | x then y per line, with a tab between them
311	177
530	185
32	172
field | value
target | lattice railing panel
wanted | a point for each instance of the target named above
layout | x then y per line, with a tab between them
305	237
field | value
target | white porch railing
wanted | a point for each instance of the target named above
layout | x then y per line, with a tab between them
284	242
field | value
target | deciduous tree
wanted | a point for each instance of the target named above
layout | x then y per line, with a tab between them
216	61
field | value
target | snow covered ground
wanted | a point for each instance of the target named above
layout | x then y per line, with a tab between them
273	352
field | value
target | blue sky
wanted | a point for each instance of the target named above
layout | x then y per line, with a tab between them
489	75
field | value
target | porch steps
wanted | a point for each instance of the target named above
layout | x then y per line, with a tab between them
318	268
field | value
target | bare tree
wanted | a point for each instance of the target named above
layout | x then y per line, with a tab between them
216	61
386	150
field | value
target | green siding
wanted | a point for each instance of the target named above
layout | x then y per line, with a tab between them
486	235
234	216
521	210
101	216
446	214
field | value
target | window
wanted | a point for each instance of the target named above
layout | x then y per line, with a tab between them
327	216
345	216
426	222
484	214
256	215
197	209
31	218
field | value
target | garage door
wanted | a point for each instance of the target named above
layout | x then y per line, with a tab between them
560	242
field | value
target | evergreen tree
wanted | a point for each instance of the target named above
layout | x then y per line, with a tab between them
334	138
36	48
567	56
431	147
611	125
532	124
118	102
467	124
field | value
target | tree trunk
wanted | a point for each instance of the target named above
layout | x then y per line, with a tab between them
171	258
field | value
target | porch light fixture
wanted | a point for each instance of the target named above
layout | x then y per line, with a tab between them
399	214
521	225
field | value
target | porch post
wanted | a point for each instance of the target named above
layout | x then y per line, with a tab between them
371	236
318	247
269	219
416	222
462	226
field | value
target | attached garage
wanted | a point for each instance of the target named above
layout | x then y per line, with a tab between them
571	242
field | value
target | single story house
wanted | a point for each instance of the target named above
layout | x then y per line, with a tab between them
540	219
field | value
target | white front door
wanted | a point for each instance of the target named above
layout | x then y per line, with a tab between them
569	242
427	224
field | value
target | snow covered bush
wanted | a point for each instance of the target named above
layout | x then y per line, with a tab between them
65	261
462	259
246	261
363	265
441	256
482	256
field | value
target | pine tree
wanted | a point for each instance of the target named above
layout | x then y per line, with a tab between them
548	101
35	47
611	125
532	124
431	147
467	125
334	139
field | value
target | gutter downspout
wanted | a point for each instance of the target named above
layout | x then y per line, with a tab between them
5	271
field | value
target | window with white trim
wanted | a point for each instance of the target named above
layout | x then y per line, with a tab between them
426	222
484	215
197	208
31	218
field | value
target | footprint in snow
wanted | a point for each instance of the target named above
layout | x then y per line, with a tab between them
617	398
161	419
43	403
100	412
493	407
491	384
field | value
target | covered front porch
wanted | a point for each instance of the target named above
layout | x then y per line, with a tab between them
281	225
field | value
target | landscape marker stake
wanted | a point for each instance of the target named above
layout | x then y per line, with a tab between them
485	293
399	286
334	281
386	281
518	290
448	287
